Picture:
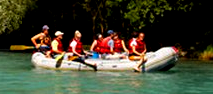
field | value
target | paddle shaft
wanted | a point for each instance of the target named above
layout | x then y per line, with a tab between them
21	47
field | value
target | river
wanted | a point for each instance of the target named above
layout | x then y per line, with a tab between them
18	76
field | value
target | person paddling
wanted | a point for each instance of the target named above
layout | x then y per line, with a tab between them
56	45
45	47
40	36
76	47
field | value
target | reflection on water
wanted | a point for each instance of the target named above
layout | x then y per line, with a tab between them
18	76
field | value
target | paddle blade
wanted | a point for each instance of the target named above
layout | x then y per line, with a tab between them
72	58
59	60
59	57
20	47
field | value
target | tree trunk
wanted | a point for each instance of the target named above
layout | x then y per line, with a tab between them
93	27
102	6
102	27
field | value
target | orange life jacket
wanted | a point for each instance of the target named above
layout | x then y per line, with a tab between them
104	47
78	48
118	45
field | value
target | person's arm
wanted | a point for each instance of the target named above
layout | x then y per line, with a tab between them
34	38
136	52
74	51
124	46
86	52
133	44
143	53
111	45
93	45
54	45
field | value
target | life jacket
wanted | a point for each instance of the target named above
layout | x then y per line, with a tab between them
60	45
78	48
97	47
118	45
140	47
129	45
104	47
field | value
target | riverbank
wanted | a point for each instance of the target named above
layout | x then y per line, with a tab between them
194	59
206	54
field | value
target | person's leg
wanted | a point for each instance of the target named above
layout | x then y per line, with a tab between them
140	63
91	64
48	54
81	60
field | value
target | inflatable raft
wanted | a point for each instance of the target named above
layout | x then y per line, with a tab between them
162	59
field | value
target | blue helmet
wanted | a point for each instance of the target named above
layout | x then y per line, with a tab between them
110	32
45	27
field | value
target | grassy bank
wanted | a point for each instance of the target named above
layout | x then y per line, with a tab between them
194	53
207	54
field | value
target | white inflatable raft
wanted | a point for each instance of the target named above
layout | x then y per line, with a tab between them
162	59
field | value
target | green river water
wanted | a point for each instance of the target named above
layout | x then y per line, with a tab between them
18	76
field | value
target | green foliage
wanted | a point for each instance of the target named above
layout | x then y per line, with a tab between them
141	11
12	13
209	48
208	53
86	47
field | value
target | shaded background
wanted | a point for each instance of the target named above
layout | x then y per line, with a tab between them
186	24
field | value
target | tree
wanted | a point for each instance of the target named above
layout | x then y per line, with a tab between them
142	12
96	8
12	12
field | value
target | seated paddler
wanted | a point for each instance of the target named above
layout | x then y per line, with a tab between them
56	44
76	47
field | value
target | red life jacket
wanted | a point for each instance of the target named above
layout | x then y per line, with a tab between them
129	45
104	46
78	48
118	45
140	47
97	47
60	45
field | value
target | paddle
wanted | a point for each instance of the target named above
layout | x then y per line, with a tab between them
59	60
21	47
71	58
